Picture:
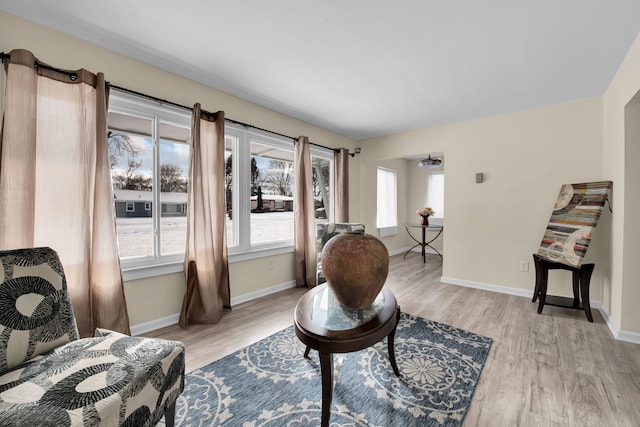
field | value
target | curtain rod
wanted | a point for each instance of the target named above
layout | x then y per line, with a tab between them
153	98
73	76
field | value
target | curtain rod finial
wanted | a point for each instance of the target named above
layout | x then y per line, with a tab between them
356	150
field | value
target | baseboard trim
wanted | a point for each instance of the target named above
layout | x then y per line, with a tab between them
632	337
152	325
404	250
262	292
485	286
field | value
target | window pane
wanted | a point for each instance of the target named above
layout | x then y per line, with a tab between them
435	193
321	187
271	172
174	167
386	199
131	158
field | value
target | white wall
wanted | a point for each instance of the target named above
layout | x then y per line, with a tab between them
525	157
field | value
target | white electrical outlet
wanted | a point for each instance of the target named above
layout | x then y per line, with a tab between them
524	266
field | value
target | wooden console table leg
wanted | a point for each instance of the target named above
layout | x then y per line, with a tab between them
326	370
543	281
576	288
536	290
585	279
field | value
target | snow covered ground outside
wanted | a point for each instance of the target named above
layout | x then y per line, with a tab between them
135	235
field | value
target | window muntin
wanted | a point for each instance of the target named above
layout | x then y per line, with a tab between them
387	211
149	156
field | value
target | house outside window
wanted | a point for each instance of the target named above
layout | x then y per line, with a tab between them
149	156
387	202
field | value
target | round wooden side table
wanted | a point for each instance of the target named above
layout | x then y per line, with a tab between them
323	324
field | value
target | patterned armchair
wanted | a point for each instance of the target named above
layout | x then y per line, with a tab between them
326	231
50	377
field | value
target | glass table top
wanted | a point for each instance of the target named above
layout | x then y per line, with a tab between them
326	312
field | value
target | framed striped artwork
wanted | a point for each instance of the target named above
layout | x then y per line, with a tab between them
575	216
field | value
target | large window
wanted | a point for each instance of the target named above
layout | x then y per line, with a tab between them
259	190
149	156
387	210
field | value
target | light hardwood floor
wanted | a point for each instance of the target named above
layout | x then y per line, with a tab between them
554	369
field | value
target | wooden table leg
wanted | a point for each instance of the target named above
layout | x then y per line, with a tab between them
390	340
326	370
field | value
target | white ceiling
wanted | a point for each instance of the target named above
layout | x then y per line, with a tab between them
365	68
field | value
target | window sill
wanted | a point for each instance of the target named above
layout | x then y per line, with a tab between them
135	273
144	272
259	253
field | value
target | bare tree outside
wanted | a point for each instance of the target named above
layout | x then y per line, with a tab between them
119	145
131	180
172	179
279	177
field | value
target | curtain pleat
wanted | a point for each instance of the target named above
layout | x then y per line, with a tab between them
55	184
304	222
341	186
206	263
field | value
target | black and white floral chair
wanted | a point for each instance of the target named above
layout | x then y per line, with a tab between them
50	377
326	231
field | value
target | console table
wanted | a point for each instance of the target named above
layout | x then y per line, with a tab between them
424	243
581	281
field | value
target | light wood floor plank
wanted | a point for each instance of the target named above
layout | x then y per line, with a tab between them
553	369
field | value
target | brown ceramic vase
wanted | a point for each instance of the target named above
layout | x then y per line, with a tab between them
355	266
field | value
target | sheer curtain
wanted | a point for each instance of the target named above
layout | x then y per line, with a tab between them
304	221
341	185
206	264
55	183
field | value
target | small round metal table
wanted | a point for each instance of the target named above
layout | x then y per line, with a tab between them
323	324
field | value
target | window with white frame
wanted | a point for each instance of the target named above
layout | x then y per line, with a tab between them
435	194
259	183
149	156
387	205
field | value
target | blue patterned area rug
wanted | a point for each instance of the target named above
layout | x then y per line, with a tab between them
270	383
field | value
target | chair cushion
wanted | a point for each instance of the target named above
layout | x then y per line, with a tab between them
111	380
326	231
35	311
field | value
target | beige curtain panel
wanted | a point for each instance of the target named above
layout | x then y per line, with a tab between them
341	186
206	264
304	220
55	183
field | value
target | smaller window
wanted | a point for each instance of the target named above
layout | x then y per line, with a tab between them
387	202
130	207
435	193
147	206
